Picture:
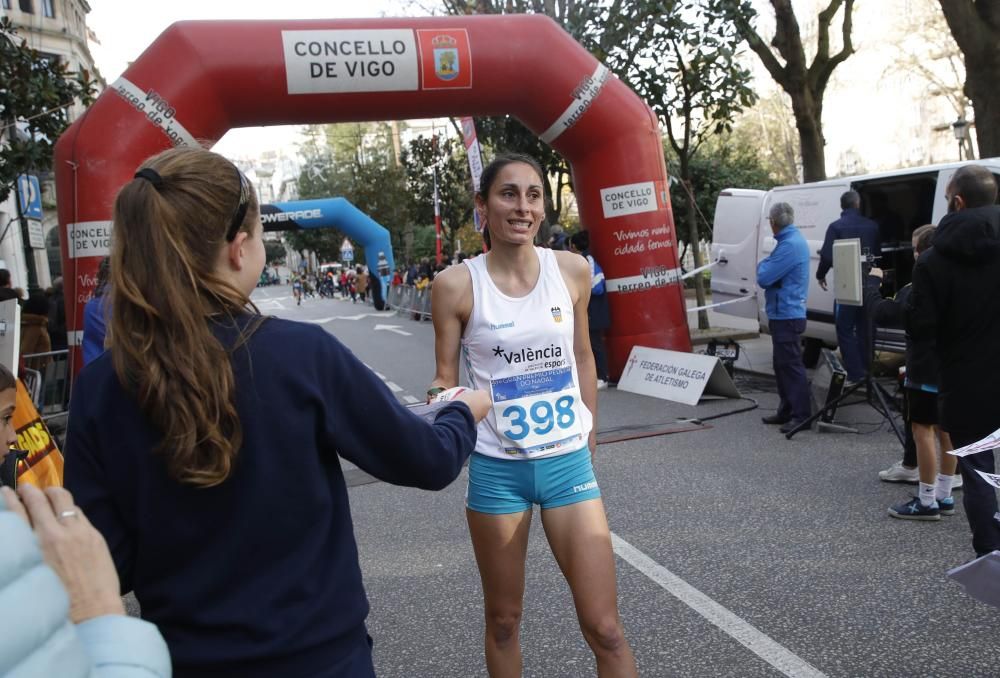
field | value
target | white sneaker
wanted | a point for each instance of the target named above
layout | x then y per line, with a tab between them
897	473
601	384
956	482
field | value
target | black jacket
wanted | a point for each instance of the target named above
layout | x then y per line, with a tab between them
956	303
921	355
851	224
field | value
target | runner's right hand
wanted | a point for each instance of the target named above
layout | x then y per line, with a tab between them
478	401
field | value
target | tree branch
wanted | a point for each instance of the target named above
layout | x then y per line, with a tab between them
787	36
965	24
760	48
824	70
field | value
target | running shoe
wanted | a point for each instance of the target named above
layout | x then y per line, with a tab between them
897	473
946	506
956	483
914	510
601	385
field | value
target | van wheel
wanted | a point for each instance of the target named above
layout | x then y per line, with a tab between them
810	351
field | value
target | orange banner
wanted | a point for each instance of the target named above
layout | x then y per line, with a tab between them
44	465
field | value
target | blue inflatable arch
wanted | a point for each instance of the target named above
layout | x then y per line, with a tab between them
339	213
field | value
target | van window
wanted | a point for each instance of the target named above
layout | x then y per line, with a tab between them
899	205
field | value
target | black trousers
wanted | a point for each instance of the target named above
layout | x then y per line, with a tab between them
978	497
789	371
909	444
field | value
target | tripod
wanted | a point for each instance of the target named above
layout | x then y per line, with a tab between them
876	396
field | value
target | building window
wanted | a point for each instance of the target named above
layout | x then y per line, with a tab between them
26	6
49	8
52	59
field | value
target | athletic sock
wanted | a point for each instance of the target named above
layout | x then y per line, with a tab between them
926	494
942	489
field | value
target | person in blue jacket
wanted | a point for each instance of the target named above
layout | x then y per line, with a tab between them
95	315
851	321
784	275
63	573
210	461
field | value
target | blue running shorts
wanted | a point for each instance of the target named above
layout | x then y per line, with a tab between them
513	485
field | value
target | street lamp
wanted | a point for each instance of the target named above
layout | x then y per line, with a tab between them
961	129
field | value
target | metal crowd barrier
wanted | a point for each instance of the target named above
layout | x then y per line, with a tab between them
405	299
46	376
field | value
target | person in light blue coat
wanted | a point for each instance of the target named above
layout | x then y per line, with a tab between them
60	620
784	275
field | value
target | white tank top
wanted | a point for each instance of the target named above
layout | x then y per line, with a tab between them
520	350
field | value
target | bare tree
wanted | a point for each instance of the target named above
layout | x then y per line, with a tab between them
928	51
785	59
975	24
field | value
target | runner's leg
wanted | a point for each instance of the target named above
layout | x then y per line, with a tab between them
581	542
500	542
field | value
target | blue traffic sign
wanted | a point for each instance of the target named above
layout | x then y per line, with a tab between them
30	195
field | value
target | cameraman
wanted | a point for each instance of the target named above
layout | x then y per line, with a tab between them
852	326
921	386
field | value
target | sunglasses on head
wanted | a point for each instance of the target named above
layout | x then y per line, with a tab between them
241	207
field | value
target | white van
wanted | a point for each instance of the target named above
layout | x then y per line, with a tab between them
899	201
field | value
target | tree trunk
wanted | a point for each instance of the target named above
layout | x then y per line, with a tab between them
981	87
691	217
808	121
976	28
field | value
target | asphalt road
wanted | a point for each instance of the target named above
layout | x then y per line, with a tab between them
741	553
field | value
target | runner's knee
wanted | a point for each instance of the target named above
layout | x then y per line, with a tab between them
503	626
604	634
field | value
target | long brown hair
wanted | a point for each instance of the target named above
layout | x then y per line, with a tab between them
170	226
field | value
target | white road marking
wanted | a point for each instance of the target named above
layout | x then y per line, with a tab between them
394	387
359	316
392	328
410	400
756	641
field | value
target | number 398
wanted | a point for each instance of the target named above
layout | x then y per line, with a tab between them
540	417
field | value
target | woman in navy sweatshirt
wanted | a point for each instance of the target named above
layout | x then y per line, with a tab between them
204	443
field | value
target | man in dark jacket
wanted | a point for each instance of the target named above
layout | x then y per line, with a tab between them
852	326
920	391
956	301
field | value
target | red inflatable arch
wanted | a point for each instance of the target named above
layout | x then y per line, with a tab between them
200	79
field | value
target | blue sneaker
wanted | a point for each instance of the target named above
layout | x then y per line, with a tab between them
914	510
946	506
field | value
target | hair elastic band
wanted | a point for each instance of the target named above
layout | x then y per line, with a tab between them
150	175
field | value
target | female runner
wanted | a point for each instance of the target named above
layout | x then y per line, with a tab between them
518	317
